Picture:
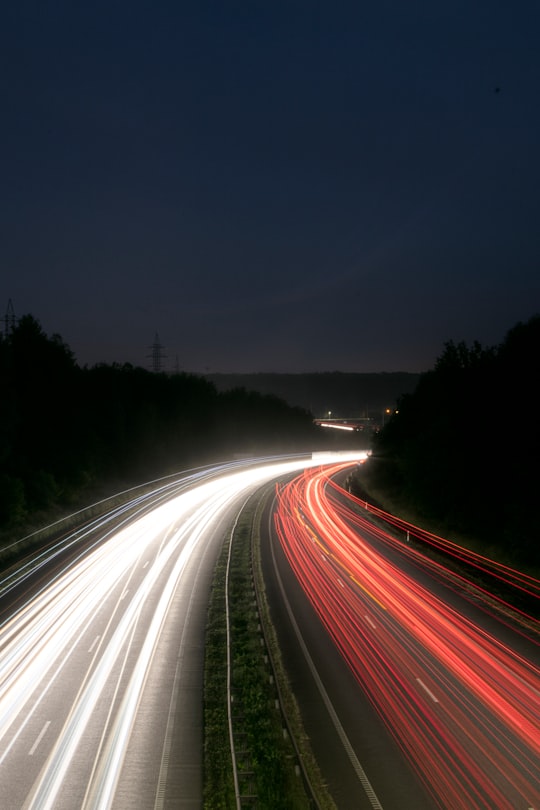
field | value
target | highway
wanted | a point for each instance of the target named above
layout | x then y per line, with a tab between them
417	688
102	646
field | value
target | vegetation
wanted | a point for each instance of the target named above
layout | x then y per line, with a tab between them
261	695
345	394
64	428
218	774
462	450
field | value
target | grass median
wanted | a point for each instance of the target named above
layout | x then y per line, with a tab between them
276	768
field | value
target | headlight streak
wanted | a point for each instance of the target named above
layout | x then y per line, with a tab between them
134	507
462	706
59	760
101	794
519	580
41	637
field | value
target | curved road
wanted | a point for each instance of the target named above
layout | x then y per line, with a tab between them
416	689
101	650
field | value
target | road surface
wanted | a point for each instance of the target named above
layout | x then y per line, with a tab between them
416	689
101	650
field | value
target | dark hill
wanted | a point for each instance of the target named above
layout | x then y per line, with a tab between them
345	394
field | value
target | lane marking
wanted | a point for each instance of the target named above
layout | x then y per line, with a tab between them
95	641
40	737
346	743
371	596
172	718
429	692
370	622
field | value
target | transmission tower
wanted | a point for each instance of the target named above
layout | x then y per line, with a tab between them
157	356
10	320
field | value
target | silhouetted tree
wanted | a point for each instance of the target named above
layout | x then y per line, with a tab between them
461	447
63	427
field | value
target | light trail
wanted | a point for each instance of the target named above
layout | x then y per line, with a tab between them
76	656
462	705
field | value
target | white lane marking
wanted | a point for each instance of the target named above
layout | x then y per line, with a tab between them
125	593
429	692
95	641
40	737
370	622
146	564
360	773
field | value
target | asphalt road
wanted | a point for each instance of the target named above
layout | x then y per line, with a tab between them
102	650
101	670
431	699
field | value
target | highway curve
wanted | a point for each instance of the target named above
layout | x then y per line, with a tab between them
102	647
416	690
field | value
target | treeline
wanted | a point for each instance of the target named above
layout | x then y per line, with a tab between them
64	428
345	394
463	449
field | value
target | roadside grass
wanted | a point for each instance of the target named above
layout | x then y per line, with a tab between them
364	487
275	766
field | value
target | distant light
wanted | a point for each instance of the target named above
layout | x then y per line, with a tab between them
336	427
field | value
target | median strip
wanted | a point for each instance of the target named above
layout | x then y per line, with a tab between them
270	747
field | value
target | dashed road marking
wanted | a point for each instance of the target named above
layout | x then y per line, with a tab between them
39	738
428	691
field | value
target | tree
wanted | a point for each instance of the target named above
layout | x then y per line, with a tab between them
461	447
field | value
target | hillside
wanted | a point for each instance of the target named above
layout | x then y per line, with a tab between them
345	394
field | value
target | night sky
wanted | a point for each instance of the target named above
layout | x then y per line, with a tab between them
271	186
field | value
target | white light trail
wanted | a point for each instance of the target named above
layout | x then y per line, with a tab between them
142	562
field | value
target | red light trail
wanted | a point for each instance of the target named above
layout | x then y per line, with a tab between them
463	707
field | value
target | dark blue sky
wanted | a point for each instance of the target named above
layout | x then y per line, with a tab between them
271	186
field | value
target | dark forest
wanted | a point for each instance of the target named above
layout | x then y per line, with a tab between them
66	429
462	450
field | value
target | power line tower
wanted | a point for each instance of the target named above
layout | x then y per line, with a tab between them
157	355
10	321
